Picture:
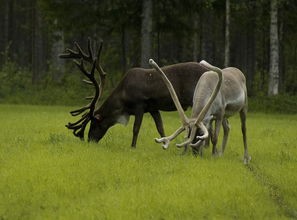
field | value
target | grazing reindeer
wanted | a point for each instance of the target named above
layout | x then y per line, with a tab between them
218	95
139	91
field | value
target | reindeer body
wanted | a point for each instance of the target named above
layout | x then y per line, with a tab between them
232	102
226	102
231	98
141	91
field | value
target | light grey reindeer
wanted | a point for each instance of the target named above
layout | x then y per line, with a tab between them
218	95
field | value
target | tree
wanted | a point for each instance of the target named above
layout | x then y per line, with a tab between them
227	35
31	39
6	39
57	64
207	34
195	37
146	32
251	27
38	50
274	50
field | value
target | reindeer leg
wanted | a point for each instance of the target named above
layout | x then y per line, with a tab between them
197	148
136	126
246	158
188	131
210	131
215	136
192	134
158	121
226	128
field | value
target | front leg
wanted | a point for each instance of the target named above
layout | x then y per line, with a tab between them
215	136
136	126
210	131
191	135
158	121
226	128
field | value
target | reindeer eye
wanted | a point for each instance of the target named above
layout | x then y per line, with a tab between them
98	117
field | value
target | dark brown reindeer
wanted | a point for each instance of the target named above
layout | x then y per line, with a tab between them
140	91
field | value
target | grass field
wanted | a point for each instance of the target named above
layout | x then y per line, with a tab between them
46	173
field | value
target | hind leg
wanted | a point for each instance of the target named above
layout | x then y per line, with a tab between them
246	158
215	136
226	129
136	127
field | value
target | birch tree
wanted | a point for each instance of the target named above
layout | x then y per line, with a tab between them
57	46
274	50
227	35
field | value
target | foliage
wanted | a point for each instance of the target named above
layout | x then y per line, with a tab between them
118	23
16	88
13	80
277	104
46	173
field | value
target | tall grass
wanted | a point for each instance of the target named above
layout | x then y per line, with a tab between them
46	173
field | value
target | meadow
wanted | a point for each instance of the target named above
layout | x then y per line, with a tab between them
47	173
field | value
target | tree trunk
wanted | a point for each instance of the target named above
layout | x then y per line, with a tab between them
57	47
206	19
37	44
282	70
195	38
146	32
250	47
274	51
6	23
7	19
124	43
158	45
227	35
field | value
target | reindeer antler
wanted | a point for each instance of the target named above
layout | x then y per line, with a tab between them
184	119
191	125
79	126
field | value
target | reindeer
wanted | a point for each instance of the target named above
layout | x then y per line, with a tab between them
218	95
140	91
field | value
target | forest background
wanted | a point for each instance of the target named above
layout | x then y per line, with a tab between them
257	36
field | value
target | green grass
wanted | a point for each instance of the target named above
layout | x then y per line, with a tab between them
47	173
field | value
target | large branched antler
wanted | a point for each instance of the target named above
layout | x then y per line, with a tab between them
184	119
80	54
79	126
200	117
190	125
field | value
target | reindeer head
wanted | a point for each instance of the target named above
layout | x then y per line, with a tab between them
193	126
97	128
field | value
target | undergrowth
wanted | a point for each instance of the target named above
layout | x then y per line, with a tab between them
16	88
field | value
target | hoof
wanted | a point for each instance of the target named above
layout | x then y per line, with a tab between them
215	152
246	160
